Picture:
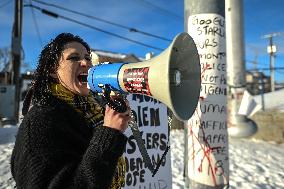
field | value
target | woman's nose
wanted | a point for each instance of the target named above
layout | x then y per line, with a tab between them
85	63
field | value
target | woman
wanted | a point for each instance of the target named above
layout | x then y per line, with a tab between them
66	140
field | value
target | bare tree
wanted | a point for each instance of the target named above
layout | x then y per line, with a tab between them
4	59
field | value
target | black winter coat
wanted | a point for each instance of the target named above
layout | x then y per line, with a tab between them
55	148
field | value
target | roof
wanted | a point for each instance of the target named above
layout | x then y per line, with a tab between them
108	56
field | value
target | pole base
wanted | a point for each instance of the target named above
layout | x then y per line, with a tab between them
242	127
196	185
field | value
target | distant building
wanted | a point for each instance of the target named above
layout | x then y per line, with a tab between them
5	77
257	82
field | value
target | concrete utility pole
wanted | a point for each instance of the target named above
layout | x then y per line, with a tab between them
16	53
238	125
271	49
271	52
206	153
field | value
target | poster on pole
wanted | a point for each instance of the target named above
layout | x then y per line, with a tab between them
152	120
208	160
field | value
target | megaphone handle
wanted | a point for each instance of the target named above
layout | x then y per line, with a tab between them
118	104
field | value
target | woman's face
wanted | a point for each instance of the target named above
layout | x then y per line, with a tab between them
73	68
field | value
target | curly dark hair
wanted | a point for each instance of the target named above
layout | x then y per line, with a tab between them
48	63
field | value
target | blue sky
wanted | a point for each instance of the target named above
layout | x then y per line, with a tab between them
160	17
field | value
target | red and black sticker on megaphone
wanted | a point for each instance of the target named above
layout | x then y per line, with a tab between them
135	80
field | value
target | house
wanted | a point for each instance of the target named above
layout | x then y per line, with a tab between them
257	82
100	56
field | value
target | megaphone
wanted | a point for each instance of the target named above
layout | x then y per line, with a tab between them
173	77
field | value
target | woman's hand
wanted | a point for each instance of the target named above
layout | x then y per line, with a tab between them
116	120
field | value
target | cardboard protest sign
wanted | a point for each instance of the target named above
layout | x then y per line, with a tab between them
152	120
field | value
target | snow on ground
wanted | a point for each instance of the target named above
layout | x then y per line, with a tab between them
253	164
7	139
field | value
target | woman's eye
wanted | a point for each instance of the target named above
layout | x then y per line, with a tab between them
74	58
79	58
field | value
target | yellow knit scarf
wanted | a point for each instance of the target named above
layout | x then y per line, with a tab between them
93	114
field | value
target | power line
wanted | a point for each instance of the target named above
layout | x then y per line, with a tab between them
256	63
264	69
36	25
5	4
55	15
259	63
103	20
280	72
162	10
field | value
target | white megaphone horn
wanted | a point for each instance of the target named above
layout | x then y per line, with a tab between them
173	77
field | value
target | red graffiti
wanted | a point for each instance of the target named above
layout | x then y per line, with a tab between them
217	168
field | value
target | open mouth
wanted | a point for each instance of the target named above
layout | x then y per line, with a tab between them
83	78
